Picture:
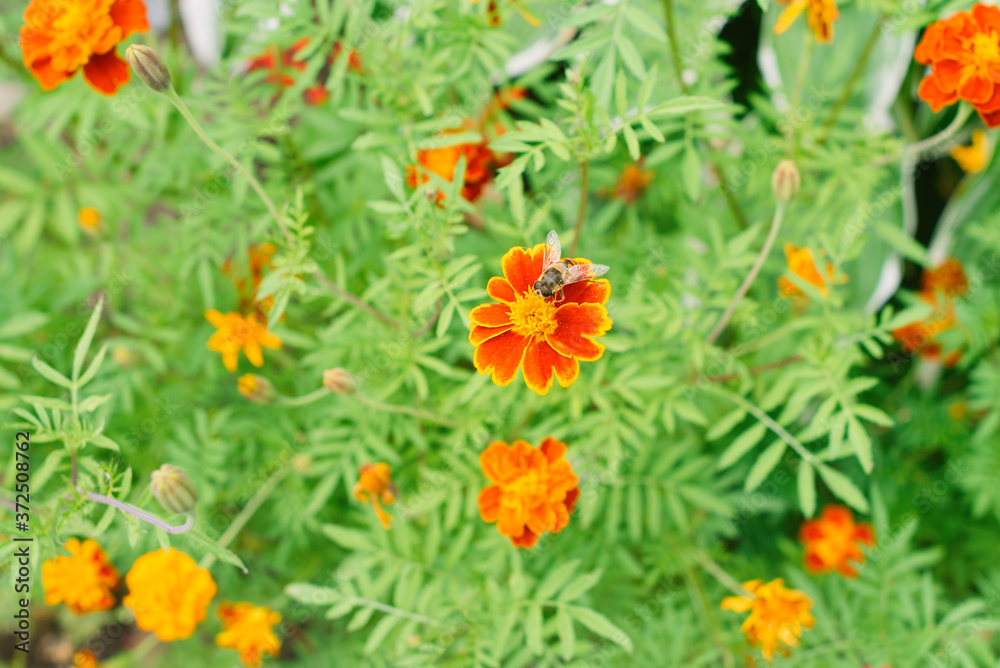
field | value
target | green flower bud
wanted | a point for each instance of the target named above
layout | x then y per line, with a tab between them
340	381
173	489
148	67
785	181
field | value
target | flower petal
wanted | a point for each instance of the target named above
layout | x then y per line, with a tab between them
526	540
576	324
540	361
490	315
480	334
788	16
501	356
553	449
976	89
541	518
130	16
588	292
493	461
106	72
499	289
489	503
522	267
930	93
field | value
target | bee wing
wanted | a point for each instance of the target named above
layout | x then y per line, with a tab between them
553	250
585	272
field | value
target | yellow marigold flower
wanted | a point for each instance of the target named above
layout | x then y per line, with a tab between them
532	490
822	14
85	659
802	263
84	581
973	159
236	333
374	485
168	593
89	217
777	615
248	629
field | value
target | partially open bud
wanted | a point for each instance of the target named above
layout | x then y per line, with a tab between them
256	388
173	489
785	181
340	381
148	67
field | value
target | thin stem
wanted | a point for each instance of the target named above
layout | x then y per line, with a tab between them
859	68
717	572
226	155
305	399
141	514
675	54
727	193
768	422
726	377
393	610
921	147
406	410
353	300
248	510
779	213
582	212
72	455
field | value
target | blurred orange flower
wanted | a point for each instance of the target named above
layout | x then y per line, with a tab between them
85	659
60	37
82	582
822	14
280	65
963	52
89	218
480	165
533	490
777	615
168	593
249	630
802	263
240	333
375	484
633	182
542	336
975	157
832	541
939	287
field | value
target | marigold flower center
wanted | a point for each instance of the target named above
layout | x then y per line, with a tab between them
986	48
533	316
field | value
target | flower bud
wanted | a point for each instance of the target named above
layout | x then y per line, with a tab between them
148	67
785	181
173	489
340	381
256	388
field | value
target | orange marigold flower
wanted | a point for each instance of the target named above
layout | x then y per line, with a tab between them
948	277
83	582
542	336
60	37
85	659
168	593
236	333
89	217
802	263
822	14
777	615
480	166
249	630
533	490
633	182
963	52
939	287
974	158
277	63
374	485
832	541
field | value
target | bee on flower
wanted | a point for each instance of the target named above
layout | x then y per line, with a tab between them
84	581
778	615
531	491
61	37
833	540
375	485
168	593
549	310
249	629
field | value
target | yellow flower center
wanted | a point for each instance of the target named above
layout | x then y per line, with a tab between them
533	316
986	48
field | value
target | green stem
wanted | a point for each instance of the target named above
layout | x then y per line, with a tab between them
237	525
779	213
932	142
852	79
675	54
719	573
315	395
406	410
768	422
582	211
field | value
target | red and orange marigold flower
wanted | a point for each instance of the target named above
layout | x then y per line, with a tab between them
777	618
939	288
83	581
480	166
60	37
822	14
963	52
633	182
374	485
168	593
532	490
833	540
249	629
543	337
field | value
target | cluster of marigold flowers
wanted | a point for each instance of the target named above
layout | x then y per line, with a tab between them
168	594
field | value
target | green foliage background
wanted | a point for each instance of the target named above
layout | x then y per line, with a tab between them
676	467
